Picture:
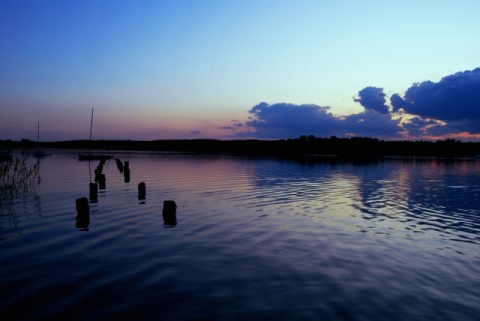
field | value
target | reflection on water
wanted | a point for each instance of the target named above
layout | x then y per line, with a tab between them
427	197
253	239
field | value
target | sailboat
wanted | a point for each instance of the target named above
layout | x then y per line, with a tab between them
91	156
39	153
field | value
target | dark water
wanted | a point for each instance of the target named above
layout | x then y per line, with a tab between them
255	240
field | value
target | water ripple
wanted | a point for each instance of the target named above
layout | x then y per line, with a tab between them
255	239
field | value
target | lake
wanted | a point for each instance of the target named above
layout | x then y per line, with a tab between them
255	239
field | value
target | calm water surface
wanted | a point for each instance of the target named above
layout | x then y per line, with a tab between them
256	239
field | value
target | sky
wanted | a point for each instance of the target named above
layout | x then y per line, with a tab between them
247	69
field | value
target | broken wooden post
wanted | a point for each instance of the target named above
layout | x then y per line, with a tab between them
169	213
83	213
98	172
126	172
101	181
119	165
93	192
82	206
142	191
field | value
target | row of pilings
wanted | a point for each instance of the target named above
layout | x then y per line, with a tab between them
83	204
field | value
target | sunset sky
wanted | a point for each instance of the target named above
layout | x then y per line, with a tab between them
239	69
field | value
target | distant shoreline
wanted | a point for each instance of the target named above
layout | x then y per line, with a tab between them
304	147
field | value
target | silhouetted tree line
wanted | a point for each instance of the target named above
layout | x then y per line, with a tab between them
304	146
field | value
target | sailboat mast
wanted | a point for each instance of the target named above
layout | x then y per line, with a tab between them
38	132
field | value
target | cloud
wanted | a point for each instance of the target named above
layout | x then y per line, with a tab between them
429	109
398	103
418	127
283	120
454	97
373	124
373	98
471	126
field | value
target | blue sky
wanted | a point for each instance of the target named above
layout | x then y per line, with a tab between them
238	69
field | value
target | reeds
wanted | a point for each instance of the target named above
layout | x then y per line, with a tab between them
18	177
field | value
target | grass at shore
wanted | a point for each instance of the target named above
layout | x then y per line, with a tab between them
18	177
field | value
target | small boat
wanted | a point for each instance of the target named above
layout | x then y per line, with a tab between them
90	156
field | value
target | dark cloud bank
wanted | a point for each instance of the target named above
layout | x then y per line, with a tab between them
427	109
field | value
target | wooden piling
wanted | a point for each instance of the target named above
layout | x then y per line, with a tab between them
169	213
93	192
82	206
142	191
98	172
101	181
126	172
83	213
119	165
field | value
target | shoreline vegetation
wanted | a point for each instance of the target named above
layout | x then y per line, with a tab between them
308	147
18	177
